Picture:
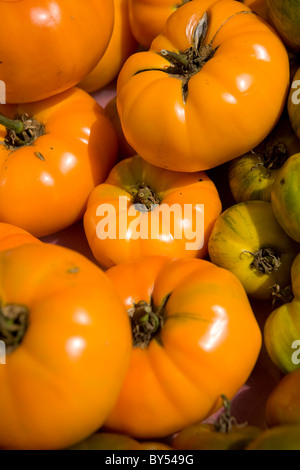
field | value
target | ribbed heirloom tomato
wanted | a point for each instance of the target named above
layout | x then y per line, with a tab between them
48	46
64	147
211	87
68	345
194	338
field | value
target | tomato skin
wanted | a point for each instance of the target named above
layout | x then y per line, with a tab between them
121	45
125	150
79	147
283	403
12	236
202	436
178	378
293	103
282	327
252	175
277	438
242	230
147	96
183	189
148	17
56	373
284	15
284	197
258	6
51	64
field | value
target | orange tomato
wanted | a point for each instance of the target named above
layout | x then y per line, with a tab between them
121	45
210	88
68	352
125	150
161	213
45	181
195	338
258	6
48	46
148	17
12	236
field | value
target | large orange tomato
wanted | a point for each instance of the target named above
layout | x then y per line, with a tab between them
194	336
121	45
142	210
48	170
48	46
68	345
12	236
211	87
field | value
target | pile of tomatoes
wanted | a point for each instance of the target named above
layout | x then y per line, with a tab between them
185	186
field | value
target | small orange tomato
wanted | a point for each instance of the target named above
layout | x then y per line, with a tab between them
48	46
68	346
121	45
283	403
12	236
194	337
142	210
67	145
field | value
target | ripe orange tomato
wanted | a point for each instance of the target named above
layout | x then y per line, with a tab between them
162	213
48	46
48	171
121	45
194	336
68	345
12	236
211	88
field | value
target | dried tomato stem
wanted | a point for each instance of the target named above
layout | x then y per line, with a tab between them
21	131
266	260
13	325
144	195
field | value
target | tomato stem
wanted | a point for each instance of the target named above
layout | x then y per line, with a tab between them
21	131
266	260
144	197
13	325
15	125
281	296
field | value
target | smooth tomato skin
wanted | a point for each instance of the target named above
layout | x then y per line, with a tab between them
79	148
178	378
283	403
282	327
203	436
186	190
121	45
221	119
78	334
148	17
277	438
12	236
294	102
285	197
72	38
258	6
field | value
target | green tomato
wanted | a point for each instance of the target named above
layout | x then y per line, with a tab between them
282	327
277	438
285	17
285	198
248	241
